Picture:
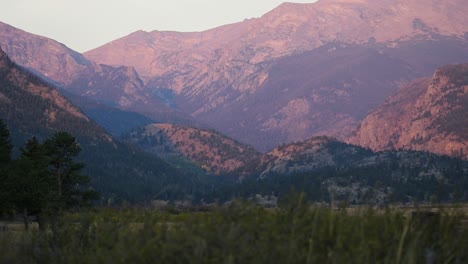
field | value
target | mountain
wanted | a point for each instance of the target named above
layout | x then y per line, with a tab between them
299	70
32	107
290	28
67	69
210	150
428	114
328	170
34	52
323	152
309	155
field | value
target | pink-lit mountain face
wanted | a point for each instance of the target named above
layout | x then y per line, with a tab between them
299	70
429	114
33	107
117	86
288	29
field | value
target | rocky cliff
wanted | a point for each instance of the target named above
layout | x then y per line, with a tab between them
428	114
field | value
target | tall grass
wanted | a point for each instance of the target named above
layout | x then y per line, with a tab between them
243	233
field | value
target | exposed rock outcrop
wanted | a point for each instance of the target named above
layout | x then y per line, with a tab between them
428	114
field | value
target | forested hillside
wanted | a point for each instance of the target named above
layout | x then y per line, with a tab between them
209	149
31	107
329	171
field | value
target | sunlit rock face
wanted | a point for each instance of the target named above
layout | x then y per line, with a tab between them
31	106
118	86
210	150
299	70
428	114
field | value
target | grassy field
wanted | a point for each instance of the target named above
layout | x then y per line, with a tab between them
245	233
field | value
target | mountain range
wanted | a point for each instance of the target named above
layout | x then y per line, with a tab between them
269	101
327	170
31	106
299	70
68	70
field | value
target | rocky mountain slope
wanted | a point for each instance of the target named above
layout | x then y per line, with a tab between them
331	171
324	152
32	107
309	155
65	68
290	28
428	114
299	70
210	150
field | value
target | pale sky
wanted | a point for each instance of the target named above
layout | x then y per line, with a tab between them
86	24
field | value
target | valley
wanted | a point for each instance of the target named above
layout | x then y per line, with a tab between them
258	102
334	131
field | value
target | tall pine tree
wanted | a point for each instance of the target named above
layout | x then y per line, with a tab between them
5	162
70	183
5	145
32	181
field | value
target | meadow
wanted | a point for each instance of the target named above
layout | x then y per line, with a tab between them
243	232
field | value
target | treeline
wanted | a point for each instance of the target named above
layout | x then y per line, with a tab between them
382	183
45	179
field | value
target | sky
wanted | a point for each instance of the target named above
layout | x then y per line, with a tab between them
86	24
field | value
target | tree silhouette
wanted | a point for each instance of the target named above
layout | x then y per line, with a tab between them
45	179
31	180
5	160
62	149
5	145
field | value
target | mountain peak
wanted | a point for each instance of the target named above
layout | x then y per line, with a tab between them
22	46
269	65
298	71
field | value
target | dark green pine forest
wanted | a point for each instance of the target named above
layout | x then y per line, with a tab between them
45	179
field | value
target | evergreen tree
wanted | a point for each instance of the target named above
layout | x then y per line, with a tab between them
5	145
45	179
62	149
5	162
30	181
